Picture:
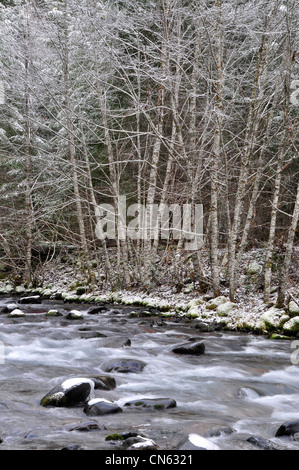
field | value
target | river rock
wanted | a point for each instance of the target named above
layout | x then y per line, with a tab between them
293	309
144	443
290	428
262	443
152	403
219	430
88	426
34	299
124	366
113	342
73	447
197	442
100	407
122	436
54	313
204	327
71	392
104	382
292	326
96	310
16	313
9	308
74	315
196	348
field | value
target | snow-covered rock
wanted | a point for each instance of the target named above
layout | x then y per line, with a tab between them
214	303
9	308
291	326
71	392
74	315
225	309
273	318
253	268
144	444
197	442
293	309
53	313
17	313
100	407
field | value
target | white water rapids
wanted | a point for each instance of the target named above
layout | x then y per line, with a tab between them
41	352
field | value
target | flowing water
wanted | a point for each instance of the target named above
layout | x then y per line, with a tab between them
41	352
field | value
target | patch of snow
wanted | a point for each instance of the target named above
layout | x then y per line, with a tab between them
199	441
70	383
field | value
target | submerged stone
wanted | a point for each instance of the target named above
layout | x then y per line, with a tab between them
88	426
219	430
114	342
152	403
262	443
124	366
104	382
196	348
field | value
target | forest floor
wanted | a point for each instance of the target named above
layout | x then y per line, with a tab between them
64	278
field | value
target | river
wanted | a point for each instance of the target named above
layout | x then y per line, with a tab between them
41	352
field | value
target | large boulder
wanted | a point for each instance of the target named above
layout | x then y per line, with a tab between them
152	403
290	428
194	348
100	407
124	366
116	341
71	392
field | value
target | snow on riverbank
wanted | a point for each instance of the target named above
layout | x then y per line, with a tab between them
64	281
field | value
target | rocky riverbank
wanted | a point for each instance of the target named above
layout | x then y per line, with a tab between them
247	314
